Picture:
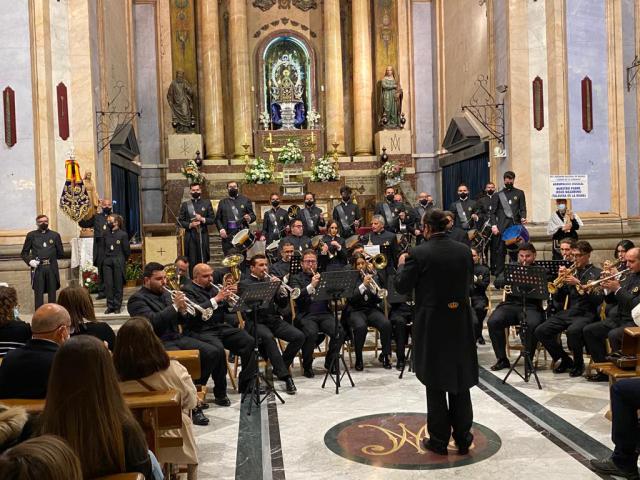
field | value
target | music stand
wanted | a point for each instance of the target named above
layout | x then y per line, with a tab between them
528	282
333	286
553	266
295	264
254	296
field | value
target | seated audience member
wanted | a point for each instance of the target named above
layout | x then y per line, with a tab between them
24	372
85	407
14	426
143	365
79	304
47	457
13	332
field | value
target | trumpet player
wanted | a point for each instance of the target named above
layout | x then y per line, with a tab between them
364	310
385	240
625	292
271	326
333	252
216	332
581	310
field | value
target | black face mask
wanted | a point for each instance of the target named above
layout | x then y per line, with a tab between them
345	198
424	202
233	192
309	203
195	195
490	192
106	210
43	226
275	203
463	196
111	225
390	198
508	186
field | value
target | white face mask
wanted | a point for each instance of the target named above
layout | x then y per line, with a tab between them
16	312
562	207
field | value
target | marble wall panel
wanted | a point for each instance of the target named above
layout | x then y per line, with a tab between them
501	69
423	77
587	56
629	40
17	177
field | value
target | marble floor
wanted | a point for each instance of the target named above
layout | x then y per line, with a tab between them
549	433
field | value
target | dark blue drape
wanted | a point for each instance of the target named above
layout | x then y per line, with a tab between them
474	172
125	192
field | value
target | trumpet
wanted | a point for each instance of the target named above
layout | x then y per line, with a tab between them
192	307
292	292
587	287
233	298
561	278
380	292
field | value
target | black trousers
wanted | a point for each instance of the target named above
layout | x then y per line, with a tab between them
400	316
98	261
443	418
358	321
113	270
44	280
506	315
596	333
311	325
479	306
625	402
548	333
267	333
196	248
214	342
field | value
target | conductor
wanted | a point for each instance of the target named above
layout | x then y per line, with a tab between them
441	272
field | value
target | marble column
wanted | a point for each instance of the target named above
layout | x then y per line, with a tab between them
212	80
240	76
362	77
333	74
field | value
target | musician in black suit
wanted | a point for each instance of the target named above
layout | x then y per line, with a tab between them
466	211
165	313
333	252
24	371
297	238
41	250
390	210
625	293
346	213
99	224
486	206
508	207
235	213
275	221
195	215
580	311
281	267
116	245
479	299
509	313
440	271
271	325
425	203
313	317
454	232
311	216
385	240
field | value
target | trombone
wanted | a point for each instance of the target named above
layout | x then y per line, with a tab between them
192	306
293	292
233	298
587	287
379	261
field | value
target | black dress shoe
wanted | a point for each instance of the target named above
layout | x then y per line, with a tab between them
198	418
565	364
222	401
386	363
577	371
101	296
607	467
108	311
481	341
308	372
359	365
426	443
400	365
598	377
290	386
500	365
203	406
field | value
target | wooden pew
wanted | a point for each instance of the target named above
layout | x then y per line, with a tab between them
154	411
630	347
189	359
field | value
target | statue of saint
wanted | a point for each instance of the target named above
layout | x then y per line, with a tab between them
180	98
390	102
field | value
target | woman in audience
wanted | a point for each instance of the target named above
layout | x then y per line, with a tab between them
79	304
143	365
42	458
13	332
85	407
15	426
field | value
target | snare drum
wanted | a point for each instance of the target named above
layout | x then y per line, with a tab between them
514	236
243	240
352	241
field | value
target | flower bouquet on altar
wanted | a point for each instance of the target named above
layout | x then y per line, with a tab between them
258	171
324	170
393	173
290	153
90	277
192	173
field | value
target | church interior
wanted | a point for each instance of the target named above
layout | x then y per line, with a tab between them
184	151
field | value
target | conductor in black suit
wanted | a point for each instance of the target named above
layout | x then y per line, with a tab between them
195	216
441	270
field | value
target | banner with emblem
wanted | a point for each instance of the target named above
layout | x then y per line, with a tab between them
74	200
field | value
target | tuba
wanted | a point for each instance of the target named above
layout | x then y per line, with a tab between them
232	262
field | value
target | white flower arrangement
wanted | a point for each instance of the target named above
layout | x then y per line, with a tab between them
290	153
265	119
192	173
393	173
324	170
313	118
259	172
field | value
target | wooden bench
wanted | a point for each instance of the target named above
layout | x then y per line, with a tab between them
630	347
189	359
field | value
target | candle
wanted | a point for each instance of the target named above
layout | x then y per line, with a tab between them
245	138
312	137
270	138
335	138
322	88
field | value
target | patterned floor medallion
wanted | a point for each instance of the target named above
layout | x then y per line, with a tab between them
394	440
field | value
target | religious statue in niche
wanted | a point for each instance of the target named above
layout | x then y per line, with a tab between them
180	98
390	101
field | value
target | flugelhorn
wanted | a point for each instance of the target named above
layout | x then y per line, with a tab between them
378	291
233	298
292	292
587	287
192	307
561	278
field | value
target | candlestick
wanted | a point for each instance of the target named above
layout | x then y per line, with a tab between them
270	138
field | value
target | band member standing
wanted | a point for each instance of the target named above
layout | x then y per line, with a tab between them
508	207
235	213
195	215
117	251
275	221
99	224
271	326
311	216
440	271
466	212
479	299
486	209
562	224
333	253
425	203
389	210
509	313
347	213
297	238
41	250
580	311
313	316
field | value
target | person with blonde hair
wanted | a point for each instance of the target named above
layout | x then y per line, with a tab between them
47	457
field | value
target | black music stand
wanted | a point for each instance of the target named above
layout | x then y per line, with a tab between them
333	286
527	282
251	299
553	266
295	263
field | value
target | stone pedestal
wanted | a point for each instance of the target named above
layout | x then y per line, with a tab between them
183	146
397	142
